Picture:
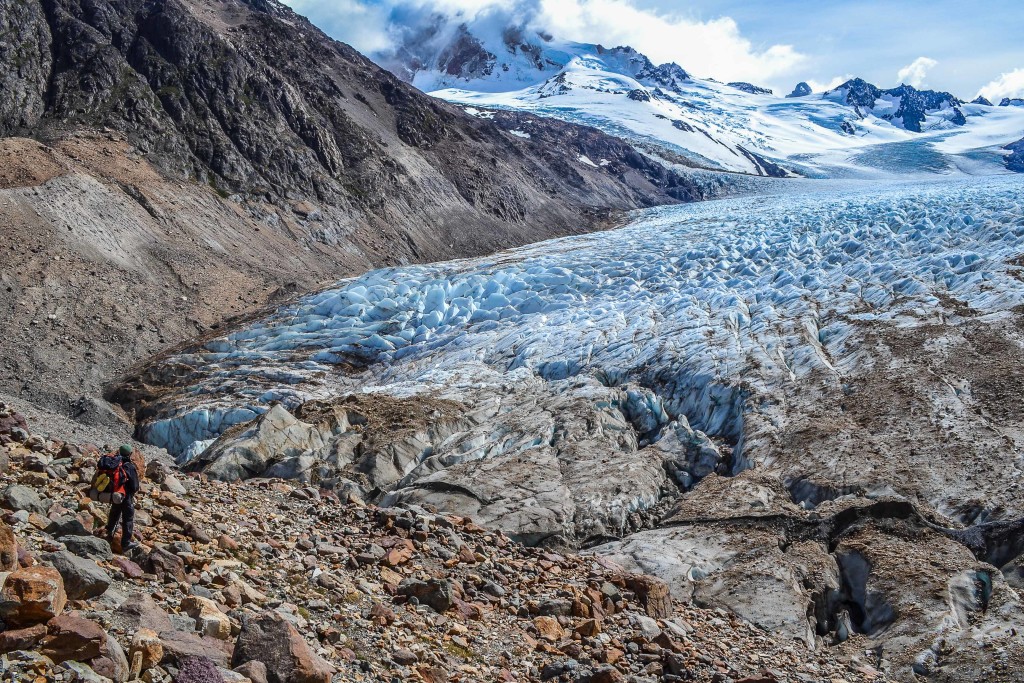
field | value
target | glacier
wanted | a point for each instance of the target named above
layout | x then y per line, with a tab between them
785	405
709	308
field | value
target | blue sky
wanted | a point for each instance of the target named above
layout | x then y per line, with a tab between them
950	45
972	43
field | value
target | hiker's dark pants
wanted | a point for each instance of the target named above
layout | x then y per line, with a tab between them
125	512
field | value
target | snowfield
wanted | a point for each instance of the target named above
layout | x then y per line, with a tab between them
713	309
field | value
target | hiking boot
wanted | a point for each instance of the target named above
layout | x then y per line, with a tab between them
130	546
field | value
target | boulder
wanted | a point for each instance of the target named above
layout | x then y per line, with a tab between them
653	593
549	629
68	525
8	549
165	565
112	663
83	579
146	642
82	673
140	611
17	497
269	638
70	636
210	621
31	596
198	670
437	593
22	638
87	546
179	645
254	671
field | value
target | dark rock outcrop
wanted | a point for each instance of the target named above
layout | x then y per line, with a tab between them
981	100
1015	160
749	88
802	89
914	104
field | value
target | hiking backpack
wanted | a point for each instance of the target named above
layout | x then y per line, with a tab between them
108	484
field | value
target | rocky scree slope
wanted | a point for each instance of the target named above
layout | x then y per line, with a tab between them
266	580
783	408
168	164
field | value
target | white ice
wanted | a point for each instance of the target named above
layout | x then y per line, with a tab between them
702	303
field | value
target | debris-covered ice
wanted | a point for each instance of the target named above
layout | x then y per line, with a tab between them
708	306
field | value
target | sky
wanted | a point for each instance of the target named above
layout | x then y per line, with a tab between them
966	48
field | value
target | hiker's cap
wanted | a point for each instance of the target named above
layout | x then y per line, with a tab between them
126	451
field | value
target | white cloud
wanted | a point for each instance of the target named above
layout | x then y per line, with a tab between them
706	48
822	86
714	48
1009	84
915	72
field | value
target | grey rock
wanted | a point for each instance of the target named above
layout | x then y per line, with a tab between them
67	526
18	497
87	546
83	579
77	672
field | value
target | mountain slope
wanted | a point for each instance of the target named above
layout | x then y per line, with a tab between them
855	129
171	163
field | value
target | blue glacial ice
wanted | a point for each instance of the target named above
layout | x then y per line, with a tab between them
708	306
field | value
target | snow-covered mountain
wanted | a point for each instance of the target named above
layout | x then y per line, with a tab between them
855	129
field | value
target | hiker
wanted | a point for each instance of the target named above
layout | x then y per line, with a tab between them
116	482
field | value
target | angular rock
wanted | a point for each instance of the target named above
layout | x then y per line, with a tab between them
140	611
165	565
437	593
210	621
8	548
549	628
22	638
83	579
70	636
32	596
179	645
67	526
146	643
254	671
653	594
17	497
269	638
198	670
82	673
88	547
112	663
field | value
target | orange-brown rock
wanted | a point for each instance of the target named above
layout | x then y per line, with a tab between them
32	596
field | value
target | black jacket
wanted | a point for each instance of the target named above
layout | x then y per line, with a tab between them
131	487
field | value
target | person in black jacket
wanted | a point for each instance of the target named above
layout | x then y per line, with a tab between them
125	510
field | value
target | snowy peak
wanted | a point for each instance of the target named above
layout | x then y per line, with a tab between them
904	106
435	55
